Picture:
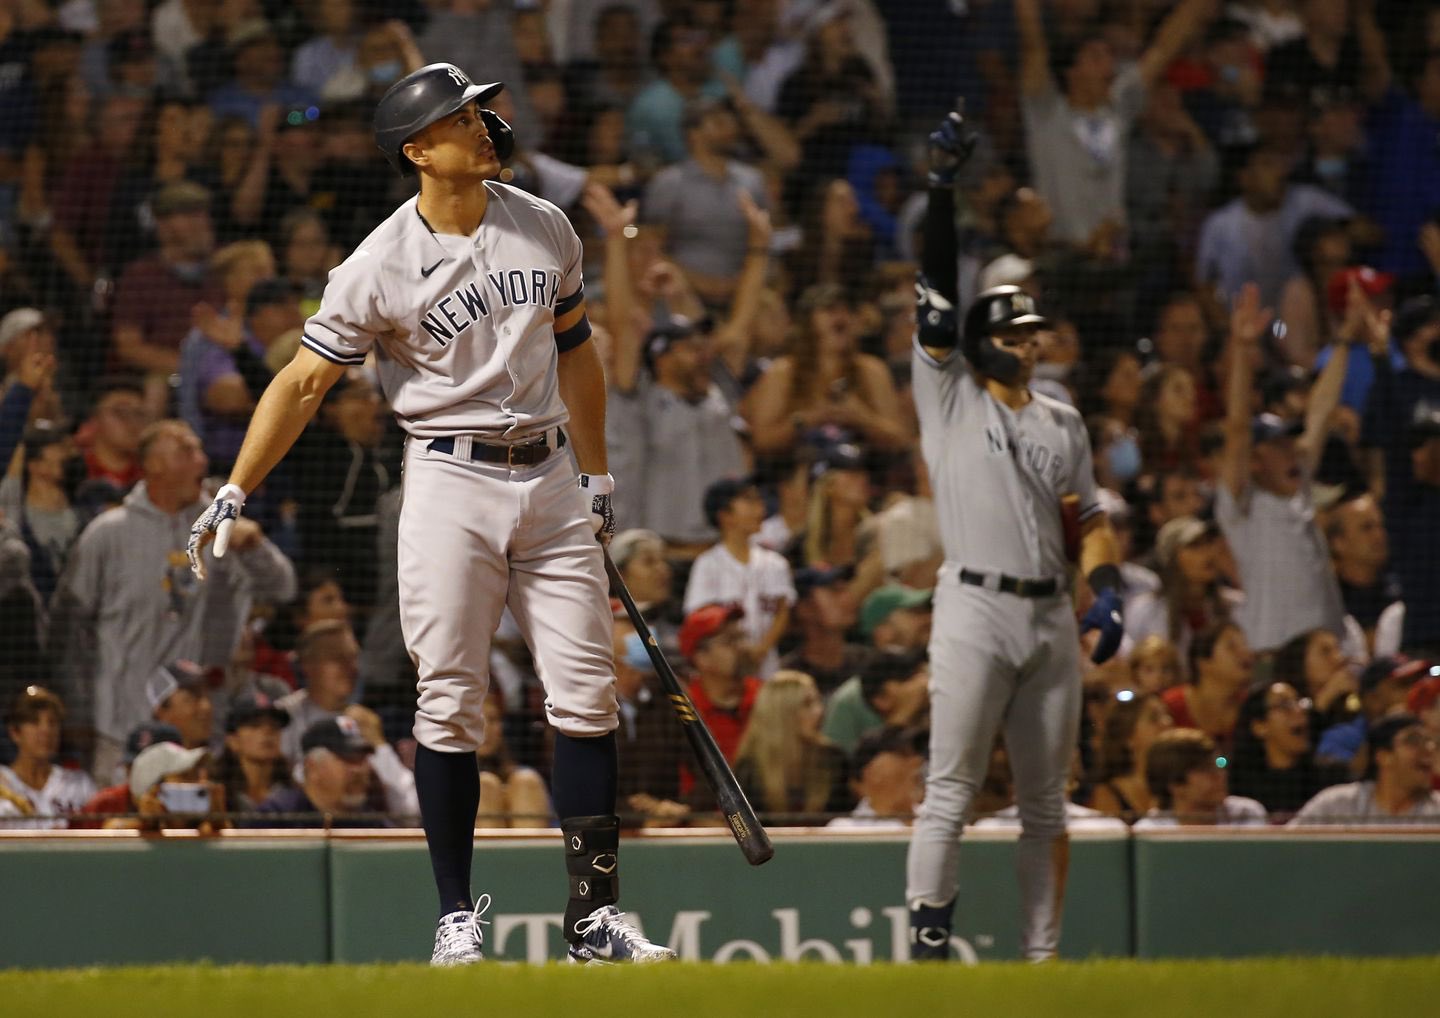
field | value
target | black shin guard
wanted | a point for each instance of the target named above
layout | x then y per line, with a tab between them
591	844
930	931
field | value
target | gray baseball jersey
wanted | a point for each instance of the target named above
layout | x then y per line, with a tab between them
999	660
462	327
463	330
998	474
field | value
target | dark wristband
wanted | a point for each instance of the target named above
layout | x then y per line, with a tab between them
1103	578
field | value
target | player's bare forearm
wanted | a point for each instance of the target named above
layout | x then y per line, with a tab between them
287	406
1098	546
582	387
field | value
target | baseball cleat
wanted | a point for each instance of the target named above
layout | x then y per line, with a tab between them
458	938
608	938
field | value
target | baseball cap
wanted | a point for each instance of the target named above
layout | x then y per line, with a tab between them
267	292
1382	733
253	30
1373	282
181	196
19	322
1181	532
835	455
1268	427
884	601
820	575
1424	423
1424	693
146	735
157	762
340	735
665	334
1396	666
720	494
169	677
703	623
250	707
628	542
821	295
1413	315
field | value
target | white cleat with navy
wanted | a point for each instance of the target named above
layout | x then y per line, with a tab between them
458	938
608	938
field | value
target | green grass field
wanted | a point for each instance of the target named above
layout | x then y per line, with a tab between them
1283	988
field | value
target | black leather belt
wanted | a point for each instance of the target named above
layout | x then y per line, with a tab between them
526	455
1010	584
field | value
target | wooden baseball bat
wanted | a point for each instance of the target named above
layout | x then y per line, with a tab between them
744	825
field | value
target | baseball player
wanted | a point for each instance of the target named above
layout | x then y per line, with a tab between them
1005	647
470	298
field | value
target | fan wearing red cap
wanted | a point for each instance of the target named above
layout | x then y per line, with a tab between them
712	639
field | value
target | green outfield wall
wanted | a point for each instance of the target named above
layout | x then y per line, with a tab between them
68	900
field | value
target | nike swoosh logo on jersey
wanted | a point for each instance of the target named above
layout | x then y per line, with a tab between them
425	273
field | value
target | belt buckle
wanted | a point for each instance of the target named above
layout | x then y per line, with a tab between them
528	448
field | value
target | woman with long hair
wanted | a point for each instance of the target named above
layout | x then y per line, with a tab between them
1315	664
836	244
1191	595
1131	725
1166	419
825	382
839	502
1221	667
784	763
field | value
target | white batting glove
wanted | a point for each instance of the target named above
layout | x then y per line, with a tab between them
215	522
595	492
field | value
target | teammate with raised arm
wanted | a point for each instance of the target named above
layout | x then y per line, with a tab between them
471	299
1004	463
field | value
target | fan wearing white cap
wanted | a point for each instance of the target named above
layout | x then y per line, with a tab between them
169	786
27	349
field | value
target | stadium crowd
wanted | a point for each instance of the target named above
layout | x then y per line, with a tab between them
1230	213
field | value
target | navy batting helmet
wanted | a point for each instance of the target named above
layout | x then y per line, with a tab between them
1000	307
422	97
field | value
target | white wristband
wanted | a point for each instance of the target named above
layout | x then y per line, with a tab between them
232	493
597	484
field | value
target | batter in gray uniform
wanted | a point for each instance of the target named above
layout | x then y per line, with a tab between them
470	298
1006	465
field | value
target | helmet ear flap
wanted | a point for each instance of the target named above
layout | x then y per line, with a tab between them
501	135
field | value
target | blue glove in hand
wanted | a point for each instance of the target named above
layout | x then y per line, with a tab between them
1105	616
950	146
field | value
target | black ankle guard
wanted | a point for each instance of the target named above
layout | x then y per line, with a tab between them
591	844
930	931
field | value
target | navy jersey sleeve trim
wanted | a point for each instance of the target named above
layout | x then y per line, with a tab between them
573	336
315	346
567	304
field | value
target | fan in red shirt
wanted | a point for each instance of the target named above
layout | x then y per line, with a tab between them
723	691
1221	666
